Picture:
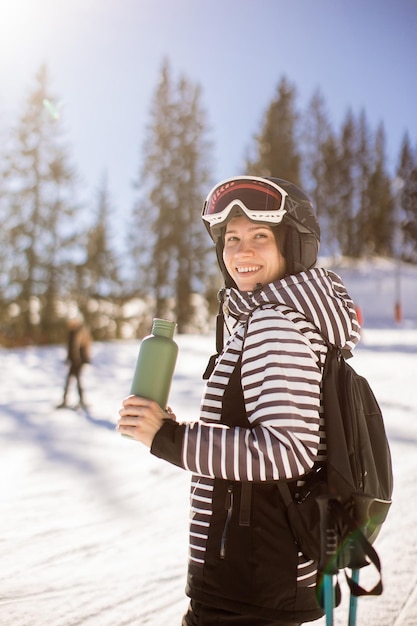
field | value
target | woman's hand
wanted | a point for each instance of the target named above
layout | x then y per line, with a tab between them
141	419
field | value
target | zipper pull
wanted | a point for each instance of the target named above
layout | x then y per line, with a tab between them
228	505
229	498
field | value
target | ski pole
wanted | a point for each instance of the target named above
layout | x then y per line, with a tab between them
353	601
328	598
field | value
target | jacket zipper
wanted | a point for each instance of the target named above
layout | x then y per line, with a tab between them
228	505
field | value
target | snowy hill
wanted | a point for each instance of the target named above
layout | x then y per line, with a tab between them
376	285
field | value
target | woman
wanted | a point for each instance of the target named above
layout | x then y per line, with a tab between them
260	413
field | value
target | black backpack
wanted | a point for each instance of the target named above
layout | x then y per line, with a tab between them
338	512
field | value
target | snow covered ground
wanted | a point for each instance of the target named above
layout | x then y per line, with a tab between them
93	529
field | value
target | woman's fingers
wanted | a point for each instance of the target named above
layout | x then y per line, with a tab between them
141	418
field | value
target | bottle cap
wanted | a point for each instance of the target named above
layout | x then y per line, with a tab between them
164	328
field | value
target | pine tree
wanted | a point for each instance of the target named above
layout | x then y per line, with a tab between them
153	221
406	190
316	133
316	142
331	186
169	246
276	151
40	212
365	163
99	274
192	179
378	227
347	208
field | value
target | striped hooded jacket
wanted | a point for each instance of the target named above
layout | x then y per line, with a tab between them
260	423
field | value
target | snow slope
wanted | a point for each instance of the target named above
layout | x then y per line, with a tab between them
93	529
376	285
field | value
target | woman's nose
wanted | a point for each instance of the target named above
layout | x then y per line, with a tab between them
244	247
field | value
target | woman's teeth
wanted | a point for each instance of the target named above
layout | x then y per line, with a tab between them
243	270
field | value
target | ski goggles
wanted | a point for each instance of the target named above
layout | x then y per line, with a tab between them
259	199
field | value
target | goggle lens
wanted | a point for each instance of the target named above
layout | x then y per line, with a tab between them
254	196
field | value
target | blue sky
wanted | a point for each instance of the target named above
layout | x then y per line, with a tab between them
104	57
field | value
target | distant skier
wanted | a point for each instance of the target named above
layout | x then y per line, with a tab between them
79	343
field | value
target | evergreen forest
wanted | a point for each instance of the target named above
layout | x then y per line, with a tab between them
58	253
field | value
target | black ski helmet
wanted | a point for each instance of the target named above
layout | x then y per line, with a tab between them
302	240
302	232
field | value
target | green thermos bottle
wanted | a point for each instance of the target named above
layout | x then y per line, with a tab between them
156	363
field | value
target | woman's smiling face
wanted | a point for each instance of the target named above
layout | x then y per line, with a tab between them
251	254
